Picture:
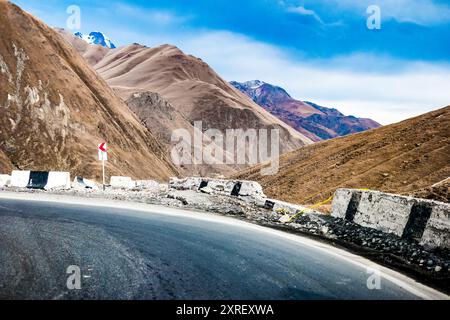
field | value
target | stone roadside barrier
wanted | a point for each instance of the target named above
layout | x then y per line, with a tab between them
122	182
247	190
82	183
128	183
40	179
219	186
5	180
20	179
58	180
426	221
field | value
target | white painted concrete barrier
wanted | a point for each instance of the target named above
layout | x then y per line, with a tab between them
82	183
381	211
385	212
149	185
5	180
58	180
342	201
192	183
426	221
122	182
437	231
251	188
286	208
50	180
19	179
219	186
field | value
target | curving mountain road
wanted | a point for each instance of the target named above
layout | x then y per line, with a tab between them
136	251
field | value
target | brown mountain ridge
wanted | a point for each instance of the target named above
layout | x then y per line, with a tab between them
194	90
55	109
402	158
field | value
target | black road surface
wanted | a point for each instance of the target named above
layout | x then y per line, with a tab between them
126	254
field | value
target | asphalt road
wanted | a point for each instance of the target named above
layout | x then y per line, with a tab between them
127	254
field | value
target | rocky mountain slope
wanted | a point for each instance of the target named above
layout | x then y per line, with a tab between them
162	118
312	120
400	158
5	163
55	109
439	191
191	86
188	84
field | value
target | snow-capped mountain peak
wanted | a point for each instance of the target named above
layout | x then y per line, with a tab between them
253	84
97	38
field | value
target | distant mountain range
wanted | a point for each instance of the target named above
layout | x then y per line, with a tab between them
314	121
311	120
168	89
96	38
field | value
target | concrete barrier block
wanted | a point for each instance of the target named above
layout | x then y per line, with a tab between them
19	179
437	230
5	180
383	211
58	180
341	201
422	220
207	190
257	201
149	185
122	182
38	179
252	189
373	209
285	207
82	183
220	186
191	183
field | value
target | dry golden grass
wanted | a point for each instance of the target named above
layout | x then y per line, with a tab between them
400	158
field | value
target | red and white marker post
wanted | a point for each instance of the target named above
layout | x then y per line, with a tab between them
103	156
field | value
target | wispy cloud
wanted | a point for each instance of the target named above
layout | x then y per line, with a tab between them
151	16
305	12
384	96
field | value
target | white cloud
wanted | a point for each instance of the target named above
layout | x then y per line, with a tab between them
305	12
392	91
383	96
395	91
150	16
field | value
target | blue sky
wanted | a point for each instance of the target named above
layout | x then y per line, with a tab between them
319	50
